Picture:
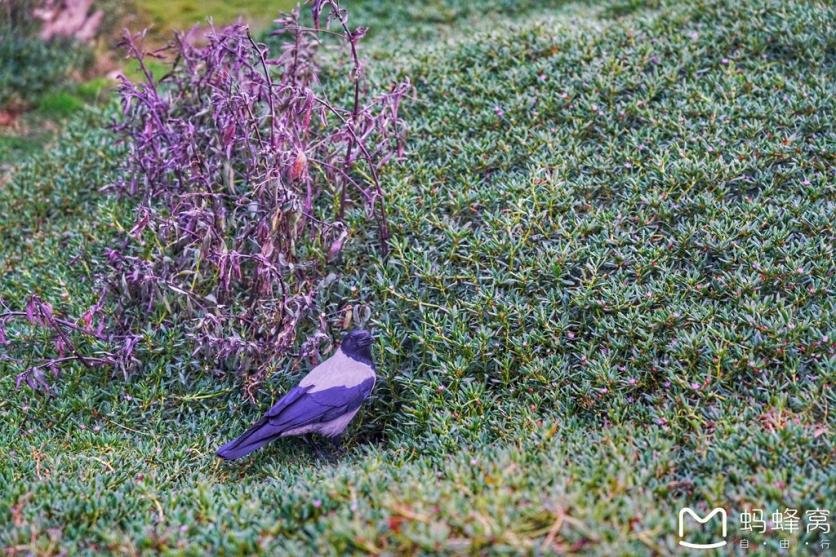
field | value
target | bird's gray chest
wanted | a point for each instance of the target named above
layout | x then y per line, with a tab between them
337	371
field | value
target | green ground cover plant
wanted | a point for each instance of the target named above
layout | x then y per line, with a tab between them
39	82
166	16
609	295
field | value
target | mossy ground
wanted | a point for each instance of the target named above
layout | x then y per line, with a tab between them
610	295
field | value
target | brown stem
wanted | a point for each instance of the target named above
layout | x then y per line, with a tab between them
382	224
269	89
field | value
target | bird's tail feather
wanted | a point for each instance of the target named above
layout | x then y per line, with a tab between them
254	438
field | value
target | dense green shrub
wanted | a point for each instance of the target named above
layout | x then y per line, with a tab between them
29	66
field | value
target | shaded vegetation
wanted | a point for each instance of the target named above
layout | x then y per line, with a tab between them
30	67
165	16
38	82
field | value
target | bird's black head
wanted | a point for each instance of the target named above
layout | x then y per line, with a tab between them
357	345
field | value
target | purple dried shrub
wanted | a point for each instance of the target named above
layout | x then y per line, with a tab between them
243	171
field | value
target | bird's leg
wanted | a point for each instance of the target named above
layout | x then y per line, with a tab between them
329	449
323	450
314	446
337	447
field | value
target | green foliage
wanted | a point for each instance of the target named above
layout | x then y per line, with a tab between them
59	104
53	221
16	15
35	128
610	295
174	15
36	82
29	67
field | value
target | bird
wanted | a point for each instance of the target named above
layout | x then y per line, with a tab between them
324	402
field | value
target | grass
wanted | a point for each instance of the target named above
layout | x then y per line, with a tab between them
610	295
167	16
36	128
40	88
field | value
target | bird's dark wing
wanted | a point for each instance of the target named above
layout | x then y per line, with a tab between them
296	409
259	434
322	406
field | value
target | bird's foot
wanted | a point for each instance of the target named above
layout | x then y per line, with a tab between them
337	446
329	450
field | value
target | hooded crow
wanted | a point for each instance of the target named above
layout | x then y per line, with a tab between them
324	402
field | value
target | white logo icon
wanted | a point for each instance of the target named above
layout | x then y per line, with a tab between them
702	520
